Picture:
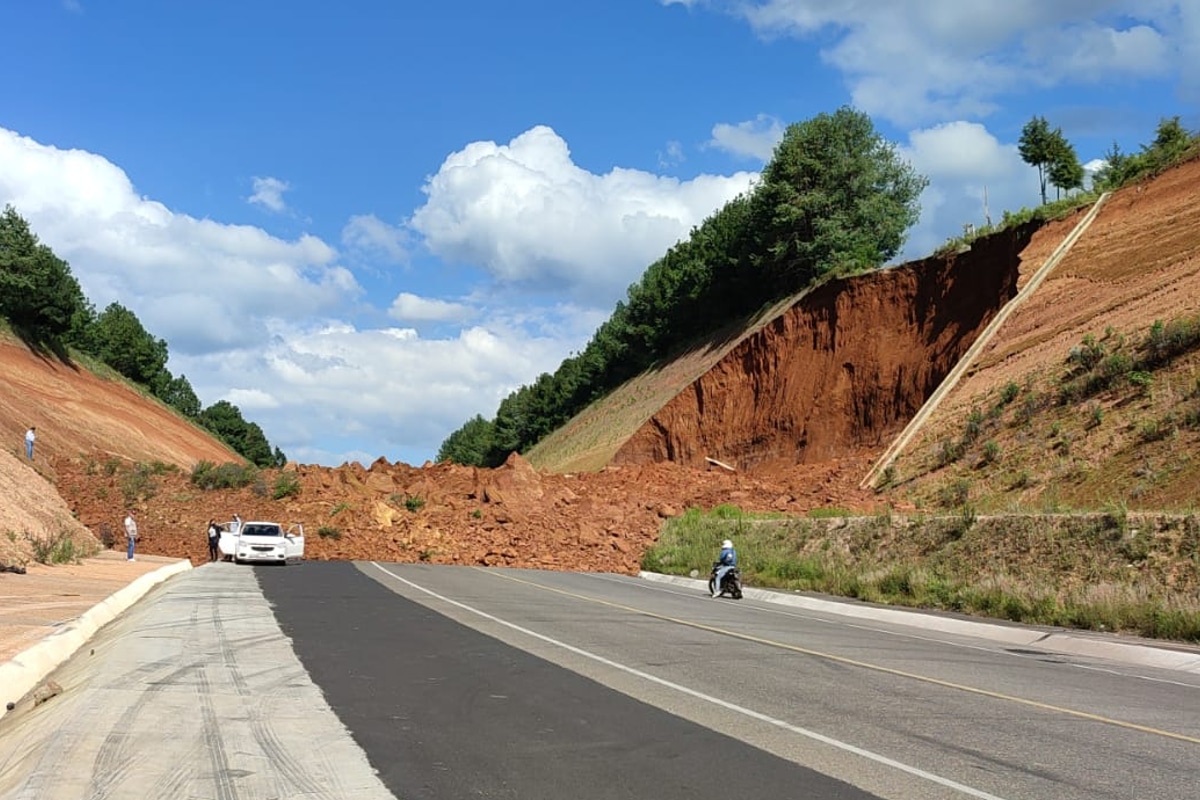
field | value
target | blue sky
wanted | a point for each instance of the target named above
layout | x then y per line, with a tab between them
365	223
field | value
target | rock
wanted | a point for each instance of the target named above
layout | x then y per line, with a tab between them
46	691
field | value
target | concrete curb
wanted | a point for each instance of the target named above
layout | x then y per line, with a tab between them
27	669
1053	640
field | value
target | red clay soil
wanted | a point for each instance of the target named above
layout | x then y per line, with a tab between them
511	516
77	412
841	370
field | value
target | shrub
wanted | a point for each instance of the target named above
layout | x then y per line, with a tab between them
1009	392
414	503
955	494
139	482
991	452
58	548
329	532
339	508
286	485
207	475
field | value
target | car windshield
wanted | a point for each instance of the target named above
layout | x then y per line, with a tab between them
261	530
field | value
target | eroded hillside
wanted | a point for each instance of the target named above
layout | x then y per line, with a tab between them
840	369
1138	263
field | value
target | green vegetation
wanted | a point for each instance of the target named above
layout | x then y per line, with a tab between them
339	508
836	199
1010	567
138	482
207	475
58	548
329	532
1052	154
287	484
414	503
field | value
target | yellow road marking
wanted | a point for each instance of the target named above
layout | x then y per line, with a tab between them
1133	726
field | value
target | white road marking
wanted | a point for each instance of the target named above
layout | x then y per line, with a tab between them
778	723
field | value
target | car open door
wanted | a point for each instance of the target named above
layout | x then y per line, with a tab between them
295	542
227	544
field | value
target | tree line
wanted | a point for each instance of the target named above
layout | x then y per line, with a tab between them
1054	156
46	307
835	199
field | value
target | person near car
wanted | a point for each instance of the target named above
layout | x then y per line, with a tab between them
726	561
236	525
131	534
214	537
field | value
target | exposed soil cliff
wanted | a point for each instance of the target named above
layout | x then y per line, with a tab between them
843	368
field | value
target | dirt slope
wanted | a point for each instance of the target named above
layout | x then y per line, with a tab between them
1139	262
838	371
77	412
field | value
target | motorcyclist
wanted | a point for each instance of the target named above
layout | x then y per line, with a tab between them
725	562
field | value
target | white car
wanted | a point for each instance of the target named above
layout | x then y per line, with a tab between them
262	541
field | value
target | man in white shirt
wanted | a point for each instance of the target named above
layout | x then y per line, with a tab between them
131	534
30	436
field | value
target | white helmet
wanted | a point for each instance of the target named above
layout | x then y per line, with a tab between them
727	544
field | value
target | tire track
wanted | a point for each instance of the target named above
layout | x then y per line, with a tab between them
292	770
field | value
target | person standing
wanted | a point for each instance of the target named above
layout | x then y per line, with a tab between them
214	537
131	534
30	437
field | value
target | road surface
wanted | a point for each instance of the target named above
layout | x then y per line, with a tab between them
338	680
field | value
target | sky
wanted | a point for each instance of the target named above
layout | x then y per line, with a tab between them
364	223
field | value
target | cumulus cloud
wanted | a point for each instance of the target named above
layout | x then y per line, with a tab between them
268	193
372	236
527	214
409	307
971	175
131	249
754	138
918	60
264	322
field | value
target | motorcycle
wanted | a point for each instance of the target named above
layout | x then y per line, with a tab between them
731	583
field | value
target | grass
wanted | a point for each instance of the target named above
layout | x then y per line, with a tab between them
1072	571
329	532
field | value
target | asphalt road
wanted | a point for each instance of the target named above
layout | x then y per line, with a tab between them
335	680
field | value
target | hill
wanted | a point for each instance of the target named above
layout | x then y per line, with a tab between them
785	416
1055	443
78	415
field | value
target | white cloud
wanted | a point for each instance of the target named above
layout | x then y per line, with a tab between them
251	399
754	138
254	319
411	308
528	215
671	157
370	235
268	192
187	279
971	175
917	60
